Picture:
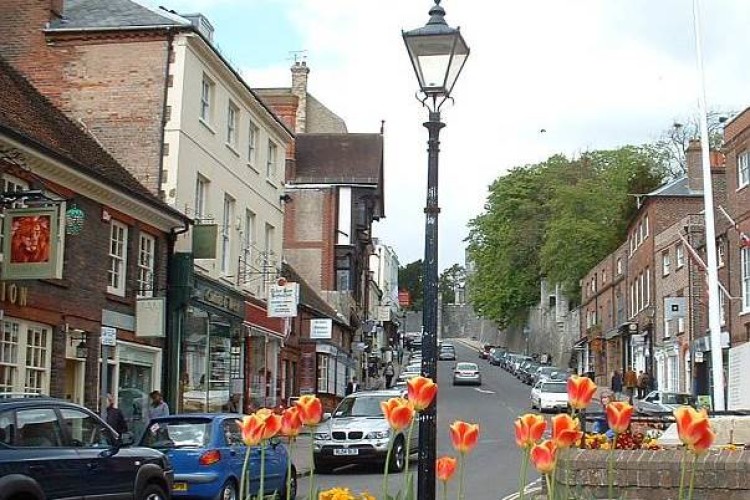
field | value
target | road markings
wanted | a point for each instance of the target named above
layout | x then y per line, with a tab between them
484	391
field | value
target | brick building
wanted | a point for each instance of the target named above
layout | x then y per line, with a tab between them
114	263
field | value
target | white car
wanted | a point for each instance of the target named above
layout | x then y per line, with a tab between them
550	395
406	375
467	373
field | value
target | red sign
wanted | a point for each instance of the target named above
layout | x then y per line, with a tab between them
404	299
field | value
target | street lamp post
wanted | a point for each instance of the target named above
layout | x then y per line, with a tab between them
438	54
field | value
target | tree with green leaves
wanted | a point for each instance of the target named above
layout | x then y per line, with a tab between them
450	278
410	278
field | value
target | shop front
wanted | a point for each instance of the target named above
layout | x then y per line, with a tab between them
211	349
264	341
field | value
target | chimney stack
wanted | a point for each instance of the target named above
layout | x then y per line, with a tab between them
694	165
299	89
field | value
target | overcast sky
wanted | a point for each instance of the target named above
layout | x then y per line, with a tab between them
592	73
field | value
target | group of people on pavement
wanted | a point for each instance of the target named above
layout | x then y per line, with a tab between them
630	385
116	419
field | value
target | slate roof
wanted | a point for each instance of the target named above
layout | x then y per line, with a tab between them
80	14
339	159
678	187
27	116
308	296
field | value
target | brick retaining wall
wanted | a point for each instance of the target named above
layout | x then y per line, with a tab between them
654	475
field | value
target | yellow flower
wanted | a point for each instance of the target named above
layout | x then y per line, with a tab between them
367	496
343	494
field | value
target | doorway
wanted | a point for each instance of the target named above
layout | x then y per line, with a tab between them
74	380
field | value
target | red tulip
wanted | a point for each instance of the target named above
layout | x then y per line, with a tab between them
446	467
694	428
529	429
310	409
464	436
261	425
399	413
543	456
422	391
619	414
565	430
580	391
291	423
271	422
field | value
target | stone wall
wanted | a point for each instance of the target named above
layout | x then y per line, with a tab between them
653	475
460	320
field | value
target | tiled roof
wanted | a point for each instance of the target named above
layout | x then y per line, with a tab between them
678	187
31	118
339	159
79	14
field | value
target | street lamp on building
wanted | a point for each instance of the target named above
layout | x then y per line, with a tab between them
438	54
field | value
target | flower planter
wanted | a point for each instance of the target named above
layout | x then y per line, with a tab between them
652	474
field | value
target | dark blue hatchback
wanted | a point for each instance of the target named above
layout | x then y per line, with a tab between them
207	453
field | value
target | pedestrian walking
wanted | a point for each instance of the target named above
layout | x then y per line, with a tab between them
644	381
616	384
115	417
352	386
158	407
389	372
631	382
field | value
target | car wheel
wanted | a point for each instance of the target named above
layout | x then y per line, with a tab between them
398	456
292	485
153	492
228	491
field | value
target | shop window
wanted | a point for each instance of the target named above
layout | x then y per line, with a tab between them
118	243
24	357
146	254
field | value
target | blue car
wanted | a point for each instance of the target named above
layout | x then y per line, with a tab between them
207	454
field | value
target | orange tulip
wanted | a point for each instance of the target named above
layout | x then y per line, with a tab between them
619	414
446	467
271	422
694	428
310	409
580	391
252	430
529	429
291	423
704	442
565	430
543	456
399	413
422	391
464	436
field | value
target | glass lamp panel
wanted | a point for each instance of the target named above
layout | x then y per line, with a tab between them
431	55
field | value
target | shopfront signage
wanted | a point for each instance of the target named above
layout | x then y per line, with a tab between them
10	293
31	243
384	313
150	317
223	300
739	391
283	298
109	336
321	328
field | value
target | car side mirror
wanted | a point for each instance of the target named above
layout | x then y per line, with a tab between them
326	416
126	439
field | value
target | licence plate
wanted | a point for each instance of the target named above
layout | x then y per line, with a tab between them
345	452
179	487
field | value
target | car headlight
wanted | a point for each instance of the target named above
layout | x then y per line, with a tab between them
378	435
321	436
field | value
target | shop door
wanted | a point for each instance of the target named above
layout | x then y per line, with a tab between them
74	381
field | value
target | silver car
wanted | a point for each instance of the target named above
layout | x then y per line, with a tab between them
664	402
358	433
467	373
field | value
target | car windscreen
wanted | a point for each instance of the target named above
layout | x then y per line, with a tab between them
466	366
178	433
360	406
555	388
678	399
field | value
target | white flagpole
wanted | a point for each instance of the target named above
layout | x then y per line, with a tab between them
714	321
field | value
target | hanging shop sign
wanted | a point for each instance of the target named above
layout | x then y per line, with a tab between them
283	298
32	245
205	237
150	317
384	313
321	328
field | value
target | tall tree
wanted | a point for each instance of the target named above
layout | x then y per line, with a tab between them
410	279
451	277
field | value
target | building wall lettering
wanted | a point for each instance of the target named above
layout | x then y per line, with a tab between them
224	301
11	293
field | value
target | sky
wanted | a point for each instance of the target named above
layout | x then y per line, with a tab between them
543	77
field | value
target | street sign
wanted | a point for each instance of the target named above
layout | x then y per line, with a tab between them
109	336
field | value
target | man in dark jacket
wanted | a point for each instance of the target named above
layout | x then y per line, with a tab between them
114	416
616	384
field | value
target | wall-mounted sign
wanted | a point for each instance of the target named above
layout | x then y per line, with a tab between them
11	293
150	317
404	299
32	246
739	391
674	307
109	336
321	328
283	298
204	240
219	297
384	313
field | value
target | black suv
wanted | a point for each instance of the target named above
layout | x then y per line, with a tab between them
51	449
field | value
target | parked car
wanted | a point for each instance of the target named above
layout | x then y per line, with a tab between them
207	453
496	358
467	373
516	364
664	402
485	352
550	396
50	449
447	352
358	433
527	372
544	373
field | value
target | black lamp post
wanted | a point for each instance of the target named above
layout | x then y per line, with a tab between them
438	54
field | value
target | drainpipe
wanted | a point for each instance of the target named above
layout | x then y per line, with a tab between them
171	376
